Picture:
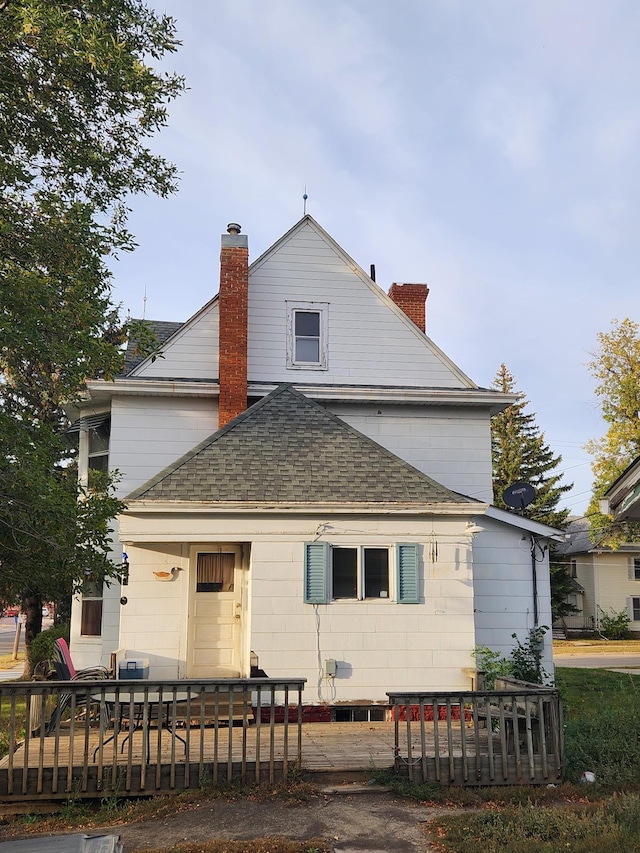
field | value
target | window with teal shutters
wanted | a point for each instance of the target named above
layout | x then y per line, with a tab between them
315	572
408	576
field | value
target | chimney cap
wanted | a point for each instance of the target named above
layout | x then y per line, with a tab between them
234	228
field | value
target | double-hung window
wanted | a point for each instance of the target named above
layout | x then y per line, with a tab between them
359	573
333	573
633	606
635	569
91	618
307	335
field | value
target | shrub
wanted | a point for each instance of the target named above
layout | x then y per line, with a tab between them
525	662
614	626
41	647
491	664
526	658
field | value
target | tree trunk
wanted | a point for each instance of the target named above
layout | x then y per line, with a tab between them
32	609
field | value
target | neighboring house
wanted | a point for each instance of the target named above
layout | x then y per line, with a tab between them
308	487
622	499
606	580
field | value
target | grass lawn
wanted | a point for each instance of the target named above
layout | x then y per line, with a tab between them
7	661
595	646
602	734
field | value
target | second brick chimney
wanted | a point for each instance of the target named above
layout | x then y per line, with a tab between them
234	315
411	298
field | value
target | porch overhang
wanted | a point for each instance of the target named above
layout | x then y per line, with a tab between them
148	507
155	521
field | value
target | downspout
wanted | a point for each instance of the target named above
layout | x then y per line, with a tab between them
534	578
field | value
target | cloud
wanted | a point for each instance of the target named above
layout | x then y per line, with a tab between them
617	140
515	121
603	220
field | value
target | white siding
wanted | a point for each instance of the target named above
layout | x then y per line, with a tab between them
192	353
503	589
379	645
96	651
153	622
614	583
453	446
586	577
148	433
367	342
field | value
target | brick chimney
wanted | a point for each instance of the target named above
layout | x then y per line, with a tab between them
411	298
234	311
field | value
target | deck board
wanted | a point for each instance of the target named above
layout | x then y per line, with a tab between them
338	746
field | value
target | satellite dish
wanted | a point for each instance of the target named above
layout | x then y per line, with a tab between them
519	495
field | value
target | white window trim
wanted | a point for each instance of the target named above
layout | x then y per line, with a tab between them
630	601
360	549
323	310
632	569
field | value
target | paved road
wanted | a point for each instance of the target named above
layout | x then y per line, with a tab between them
7	635
587	661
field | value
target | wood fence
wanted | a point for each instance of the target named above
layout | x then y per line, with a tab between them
91	738
95	738
512	735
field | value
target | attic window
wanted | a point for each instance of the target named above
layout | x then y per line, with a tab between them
307	335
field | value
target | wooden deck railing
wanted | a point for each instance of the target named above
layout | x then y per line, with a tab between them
88	738
509	736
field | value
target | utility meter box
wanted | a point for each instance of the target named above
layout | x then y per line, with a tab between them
132	668
330	668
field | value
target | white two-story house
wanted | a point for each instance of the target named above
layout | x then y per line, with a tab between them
308	488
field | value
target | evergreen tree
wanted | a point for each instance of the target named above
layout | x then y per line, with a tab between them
561	588
519	453
616	367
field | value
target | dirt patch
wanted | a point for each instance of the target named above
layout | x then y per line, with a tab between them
352	821
353	818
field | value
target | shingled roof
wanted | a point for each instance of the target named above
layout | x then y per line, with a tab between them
289	449
163	331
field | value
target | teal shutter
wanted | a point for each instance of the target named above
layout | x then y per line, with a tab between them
408	576
315	572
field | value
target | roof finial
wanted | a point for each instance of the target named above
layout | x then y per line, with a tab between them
144	303
304	200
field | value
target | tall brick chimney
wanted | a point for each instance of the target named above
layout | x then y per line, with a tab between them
411	298
234	312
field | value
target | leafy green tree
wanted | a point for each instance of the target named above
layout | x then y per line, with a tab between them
79	101
520	453
616	368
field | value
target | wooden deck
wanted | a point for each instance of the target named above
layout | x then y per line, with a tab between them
173	736
325	747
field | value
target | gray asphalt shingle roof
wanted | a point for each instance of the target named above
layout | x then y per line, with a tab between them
163	331
287	448
579	540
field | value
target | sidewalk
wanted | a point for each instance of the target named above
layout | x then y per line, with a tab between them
13	673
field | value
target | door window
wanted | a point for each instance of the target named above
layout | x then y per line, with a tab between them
214	572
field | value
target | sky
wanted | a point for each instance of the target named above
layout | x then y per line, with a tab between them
488	148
